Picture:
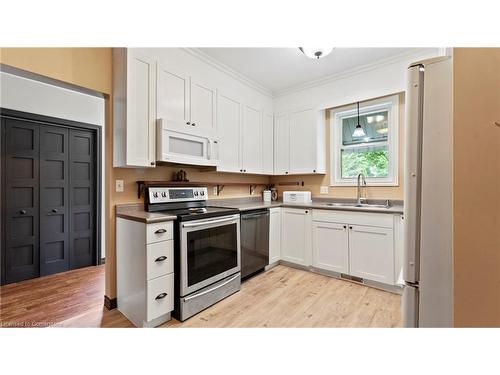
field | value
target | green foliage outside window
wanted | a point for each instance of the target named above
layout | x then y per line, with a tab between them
370	163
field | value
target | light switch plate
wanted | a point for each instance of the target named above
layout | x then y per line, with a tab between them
119	186
323	190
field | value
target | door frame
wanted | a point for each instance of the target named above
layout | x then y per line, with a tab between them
54	121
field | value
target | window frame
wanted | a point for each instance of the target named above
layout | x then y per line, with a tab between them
389	104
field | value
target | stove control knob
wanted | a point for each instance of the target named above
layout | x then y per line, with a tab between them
195	193
164	195
202	192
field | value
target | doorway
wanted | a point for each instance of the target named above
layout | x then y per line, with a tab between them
50	195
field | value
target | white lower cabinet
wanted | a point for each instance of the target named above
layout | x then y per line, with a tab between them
296	236
330	246
357	244
274	235
145	271
371	253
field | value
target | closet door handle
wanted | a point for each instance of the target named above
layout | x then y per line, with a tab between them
161	295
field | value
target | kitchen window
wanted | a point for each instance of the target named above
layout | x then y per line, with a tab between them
375	152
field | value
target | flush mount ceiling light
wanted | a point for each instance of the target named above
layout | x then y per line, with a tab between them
358	132
316	53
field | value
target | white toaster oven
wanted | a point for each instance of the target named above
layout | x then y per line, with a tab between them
297	197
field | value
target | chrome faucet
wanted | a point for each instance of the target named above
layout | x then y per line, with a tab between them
361	183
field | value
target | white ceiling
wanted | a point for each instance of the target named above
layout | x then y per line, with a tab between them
281	68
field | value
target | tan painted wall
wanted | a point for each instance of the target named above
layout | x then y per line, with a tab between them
314	182
476	187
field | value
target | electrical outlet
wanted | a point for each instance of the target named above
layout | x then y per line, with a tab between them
323	190
214	191
119	186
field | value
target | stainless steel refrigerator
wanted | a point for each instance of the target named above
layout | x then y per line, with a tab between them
428	184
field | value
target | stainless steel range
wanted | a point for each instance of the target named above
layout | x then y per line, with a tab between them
207	247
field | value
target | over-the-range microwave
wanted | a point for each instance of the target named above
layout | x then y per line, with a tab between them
174	146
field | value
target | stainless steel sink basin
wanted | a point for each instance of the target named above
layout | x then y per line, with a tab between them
361	205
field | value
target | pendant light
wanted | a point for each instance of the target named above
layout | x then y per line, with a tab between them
358	132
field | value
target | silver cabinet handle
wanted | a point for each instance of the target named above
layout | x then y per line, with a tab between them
159	231
160	259
212	289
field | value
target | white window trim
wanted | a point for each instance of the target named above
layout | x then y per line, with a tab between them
391	104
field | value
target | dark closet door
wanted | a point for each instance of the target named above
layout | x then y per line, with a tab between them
21	200
54	200
82	198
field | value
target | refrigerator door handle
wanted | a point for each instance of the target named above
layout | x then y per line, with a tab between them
413	173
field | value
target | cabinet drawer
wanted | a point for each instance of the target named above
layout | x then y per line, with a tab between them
160	259
160	296
159	232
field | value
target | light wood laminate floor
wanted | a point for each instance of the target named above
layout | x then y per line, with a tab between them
280	297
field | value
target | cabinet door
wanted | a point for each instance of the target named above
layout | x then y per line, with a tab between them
54	199
274	235
203	98
296	236
302	142
140	151
330	246
251	146
281	144
172	99
371	253
228	124
267	144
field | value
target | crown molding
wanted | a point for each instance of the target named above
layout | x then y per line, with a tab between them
416	52
196	52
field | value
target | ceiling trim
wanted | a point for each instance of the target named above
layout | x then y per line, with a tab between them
196	52
358	70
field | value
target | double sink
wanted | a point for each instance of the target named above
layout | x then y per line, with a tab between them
360	205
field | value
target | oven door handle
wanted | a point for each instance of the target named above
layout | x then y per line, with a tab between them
205	222
212	289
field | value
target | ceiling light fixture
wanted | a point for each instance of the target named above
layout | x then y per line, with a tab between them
316	53
358	132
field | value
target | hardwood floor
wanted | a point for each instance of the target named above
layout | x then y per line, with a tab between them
48	300
281	297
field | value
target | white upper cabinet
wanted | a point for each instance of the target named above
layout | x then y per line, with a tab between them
203	102
267	144
299	144
281	144
134	95
228	125
251	141
172	97
184	103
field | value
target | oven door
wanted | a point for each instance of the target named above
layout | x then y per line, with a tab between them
210	251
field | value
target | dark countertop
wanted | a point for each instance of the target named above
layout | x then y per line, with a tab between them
136	211
247	204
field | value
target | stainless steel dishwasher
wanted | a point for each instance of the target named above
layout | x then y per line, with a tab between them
254	242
